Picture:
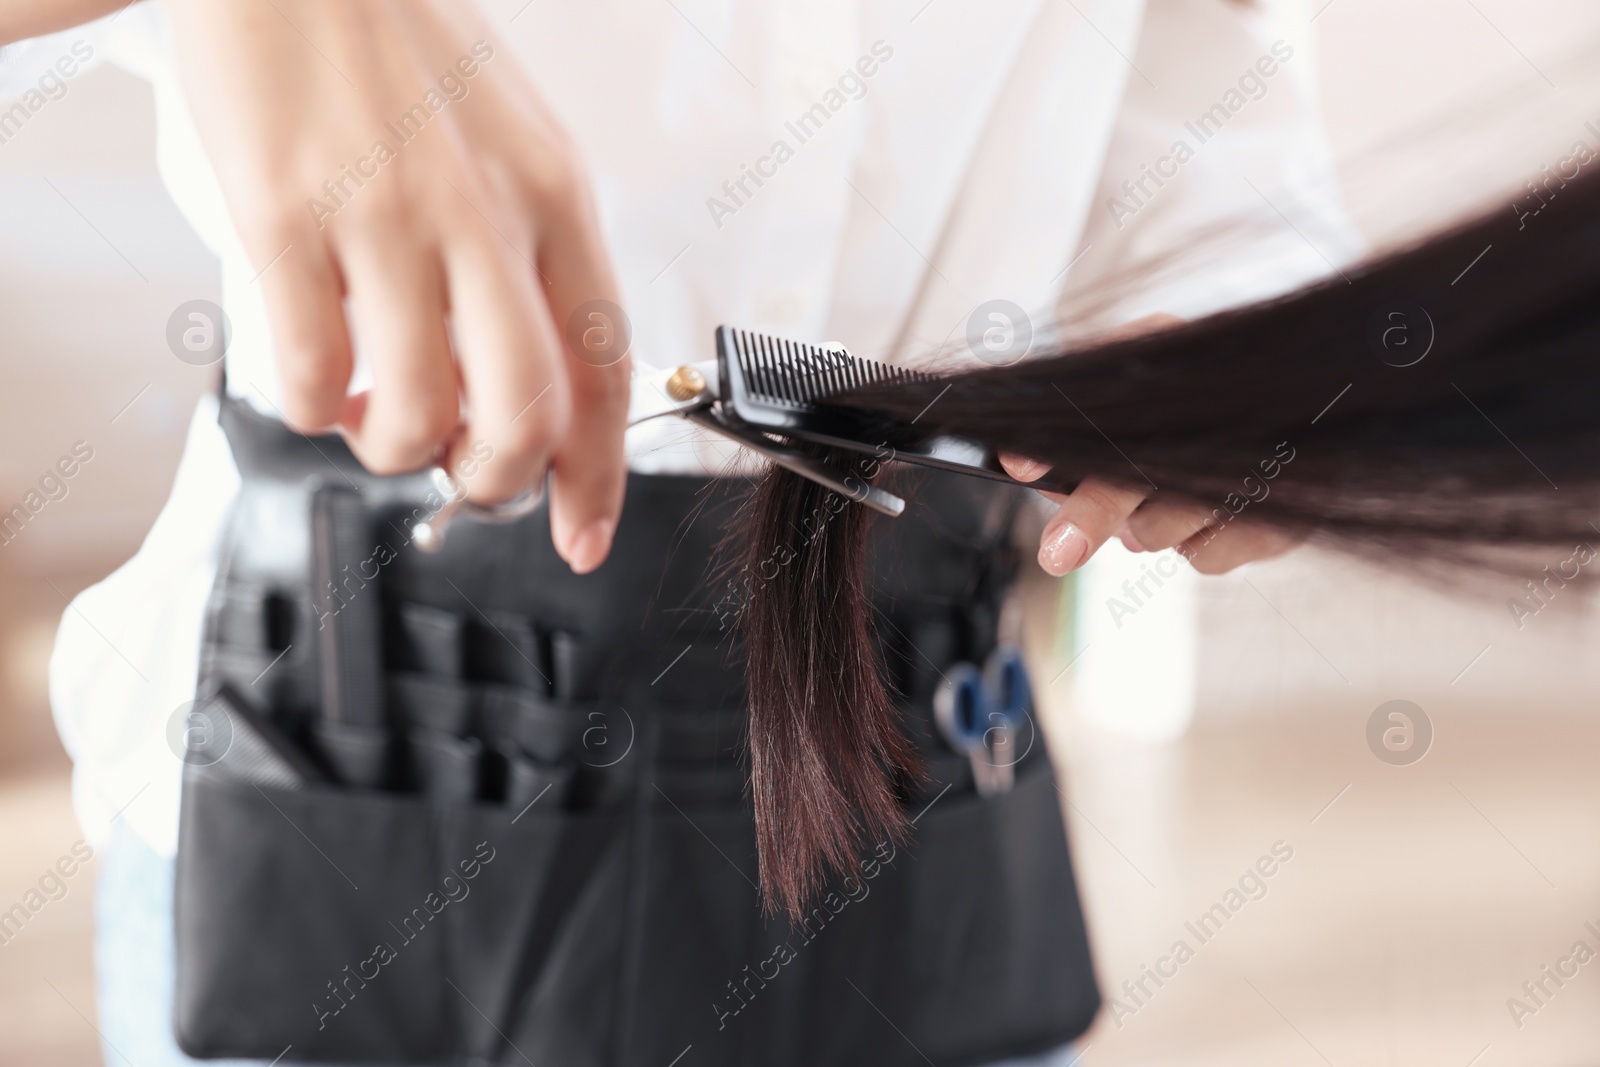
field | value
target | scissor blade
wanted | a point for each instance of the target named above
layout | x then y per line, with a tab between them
847	485
691	391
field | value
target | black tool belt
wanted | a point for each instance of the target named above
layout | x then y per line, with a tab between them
467	807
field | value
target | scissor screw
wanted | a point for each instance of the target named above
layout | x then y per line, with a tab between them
686	383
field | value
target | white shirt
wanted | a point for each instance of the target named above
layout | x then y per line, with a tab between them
983	157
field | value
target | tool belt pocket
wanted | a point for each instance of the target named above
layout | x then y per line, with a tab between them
444	885
405	814
435	879
359	927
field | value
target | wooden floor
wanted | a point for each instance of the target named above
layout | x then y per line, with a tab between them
46	972
1418	900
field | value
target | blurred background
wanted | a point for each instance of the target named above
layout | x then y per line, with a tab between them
1420	895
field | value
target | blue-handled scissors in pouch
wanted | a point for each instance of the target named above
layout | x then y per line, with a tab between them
980	713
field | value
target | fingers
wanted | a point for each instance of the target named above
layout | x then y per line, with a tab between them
1096	510
1211	548
1238	543
511	368
440	288
1023	469
1160	524
1088	515
397	300
302	292
590	467
591	471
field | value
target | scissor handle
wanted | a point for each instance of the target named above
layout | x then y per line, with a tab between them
960	708
428	534
1005	677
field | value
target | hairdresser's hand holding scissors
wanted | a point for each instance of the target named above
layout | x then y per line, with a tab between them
1096	511
390	160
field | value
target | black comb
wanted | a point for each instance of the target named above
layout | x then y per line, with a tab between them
789	376
781	387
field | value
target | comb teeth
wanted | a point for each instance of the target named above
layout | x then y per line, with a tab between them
791	374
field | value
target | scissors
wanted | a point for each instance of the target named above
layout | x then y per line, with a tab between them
694	391
765	393
980	712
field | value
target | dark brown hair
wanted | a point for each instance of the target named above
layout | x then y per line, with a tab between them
826	746
1438	406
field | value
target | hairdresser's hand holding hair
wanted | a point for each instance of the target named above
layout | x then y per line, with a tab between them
469	227
1096	511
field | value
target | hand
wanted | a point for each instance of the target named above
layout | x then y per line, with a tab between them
391	158
22	19
1098	510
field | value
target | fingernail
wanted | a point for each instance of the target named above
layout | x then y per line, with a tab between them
1129	541
589	548
1063	549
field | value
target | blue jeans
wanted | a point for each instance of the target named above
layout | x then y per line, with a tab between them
134	962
